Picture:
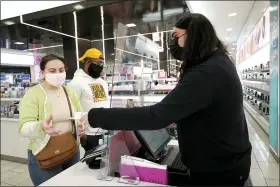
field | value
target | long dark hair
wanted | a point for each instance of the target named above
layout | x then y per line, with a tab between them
200	42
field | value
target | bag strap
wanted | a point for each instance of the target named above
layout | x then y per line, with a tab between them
71	113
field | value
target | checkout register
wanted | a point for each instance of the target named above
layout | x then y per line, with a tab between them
151	146
154	148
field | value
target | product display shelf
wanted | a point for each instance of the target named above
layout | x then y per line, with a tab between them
255	103
255	80
10	99
10	119
258	99
257	70
256	88
257	115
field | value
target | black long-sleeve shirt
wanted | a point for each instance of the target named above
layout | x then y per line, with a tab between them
206	105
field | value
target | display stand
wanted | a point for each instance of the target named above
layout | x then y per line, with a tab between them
116	161
130	82
104	161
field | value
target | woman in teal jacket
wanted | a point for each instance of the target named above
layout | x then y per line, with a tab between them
44	112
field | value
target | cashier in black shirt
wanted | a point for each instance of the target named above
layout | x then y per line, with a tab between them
206	105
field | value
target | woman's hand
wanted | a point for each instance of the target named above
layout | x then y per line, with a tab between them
48	127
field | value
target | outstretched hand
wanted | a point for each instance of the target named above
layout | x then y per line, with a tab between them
48	127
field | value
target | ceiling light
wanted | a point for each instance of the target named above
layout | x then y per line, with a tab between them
229	29
234	44
18	43
227	38
78	7
47	47
130	25
230	52
9	22
112	54
232	14
233	48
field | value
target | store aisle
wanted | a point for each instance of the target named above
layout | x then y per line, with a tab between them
264	169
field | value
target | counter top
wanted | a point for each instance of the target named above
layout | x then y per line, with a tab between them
81	175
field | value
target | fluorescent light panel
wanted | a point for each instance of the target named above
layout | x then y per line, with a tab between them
130	25
9	22
232	14
47	47
103	35
76	40
18	43
78	7
229	29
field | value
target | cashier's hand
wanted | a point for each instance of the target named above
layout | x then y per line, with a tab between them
81	129
48	127
84	118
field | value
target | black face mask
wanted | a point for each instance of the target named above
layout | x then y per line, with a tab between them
176	51
95	70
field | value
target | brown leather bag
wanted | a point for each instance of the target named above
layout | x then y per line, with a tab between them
59	148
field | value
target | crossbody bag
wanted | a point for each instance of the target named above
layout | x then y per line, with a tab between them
59	148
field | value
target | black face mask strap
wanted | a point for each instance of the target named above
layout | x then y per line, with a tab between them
182	35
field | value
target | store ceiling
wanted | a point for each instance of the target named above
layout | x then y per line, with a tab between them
26	7
257	11
228	28
144	14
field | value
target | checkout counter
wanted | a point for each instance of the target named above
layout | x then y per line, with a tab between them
81	175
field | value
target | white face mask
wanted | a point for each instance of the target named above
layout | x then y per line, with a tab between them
56	79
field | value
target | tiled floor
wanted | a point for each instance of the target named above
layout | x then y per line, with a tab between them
14	174
264	168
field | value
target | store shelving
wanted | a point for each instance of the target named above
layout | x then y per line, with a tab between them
265	104
257	70
10	119
256	91
258	87
259	117
10	99
260	81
